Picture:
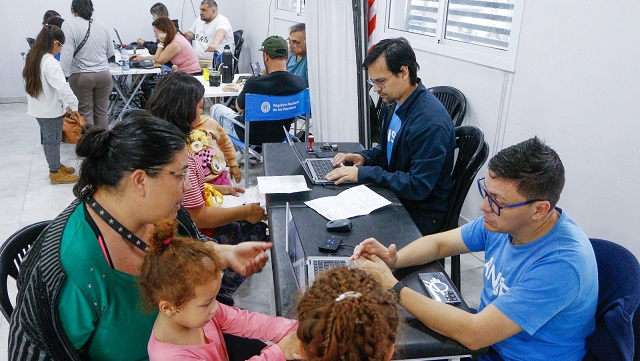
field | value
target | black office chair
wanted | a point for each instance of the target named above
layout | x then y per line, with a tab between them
13	252
617	320
453	100
473	151
237	35
31	41
236	54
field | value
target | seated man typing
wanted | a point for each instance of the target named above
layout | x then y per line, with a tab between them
277	81
540	273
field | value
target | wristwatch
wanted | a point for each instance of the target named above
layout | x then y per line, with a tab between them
395	290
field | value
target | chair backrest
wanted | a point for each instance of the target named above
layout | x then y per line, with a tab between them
617	320
237	35
13	252
125	114
472	153
453	100
31	41
236	54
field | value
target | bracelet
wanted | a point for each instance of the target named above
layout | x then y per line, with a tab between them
395	290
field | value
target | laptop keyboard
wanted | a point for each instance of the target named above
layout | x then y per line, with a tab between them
321	265
322	168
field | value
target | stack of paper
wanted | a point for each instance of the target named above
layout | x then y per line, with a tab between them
282	184
250	195
356	201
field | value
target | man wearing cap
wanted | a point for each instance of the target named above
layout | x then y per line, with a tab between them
276	81
210	33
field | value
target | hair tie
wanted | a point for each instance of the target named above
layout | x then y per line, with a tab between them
166	241
347	294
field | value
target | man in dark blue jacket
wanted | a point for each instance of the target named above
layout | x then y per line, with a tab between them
416	159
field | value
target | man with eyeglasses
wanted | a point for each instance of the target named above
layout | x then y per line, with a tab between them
297	62
540	274
416	159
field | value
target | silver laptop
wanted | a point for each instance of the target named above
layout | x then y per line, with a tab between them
306	268
315	168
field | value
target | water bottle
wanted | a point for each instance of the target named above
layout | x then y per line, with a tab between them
124	54
227	65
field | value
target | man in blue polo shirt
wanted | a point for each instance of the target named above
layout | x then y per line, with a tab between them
297	61
540	274
416	159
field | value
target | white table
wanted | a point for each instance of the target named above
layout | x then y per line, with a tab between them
127	90
216	91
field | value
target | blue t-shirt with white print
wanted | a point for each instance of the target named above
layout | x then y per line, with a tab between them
394	129
549	287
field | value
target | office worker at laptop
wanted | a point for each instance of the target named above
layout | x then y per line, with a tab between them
86	66
417	158
172	47
277	81
540	273
210	33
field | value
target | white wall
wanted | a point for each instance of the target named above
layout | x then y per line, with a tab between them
576	85
132	19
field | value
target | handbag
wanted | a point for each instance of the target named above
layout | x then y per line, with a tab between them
73	125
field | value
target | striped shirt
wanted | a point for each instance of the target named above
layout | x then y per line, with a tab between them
92	58
193	198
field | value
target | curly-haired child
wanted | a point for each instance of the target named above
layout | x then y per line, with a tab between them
346	315
180	277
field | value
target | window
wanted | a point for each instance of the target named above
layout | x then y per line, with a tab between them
481	31
291	5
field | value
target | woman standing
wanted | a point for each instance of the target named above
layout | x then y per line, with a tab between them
84	61
48	96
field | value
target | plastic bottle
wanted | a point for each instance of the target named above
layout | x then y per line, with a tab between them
227	65
124	57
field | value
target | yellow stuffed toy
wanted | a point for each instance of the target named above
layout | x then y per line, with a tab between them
197	141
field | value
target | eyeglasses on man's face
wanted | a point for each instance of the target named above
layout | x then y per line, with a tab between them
295	42
495	207
378	82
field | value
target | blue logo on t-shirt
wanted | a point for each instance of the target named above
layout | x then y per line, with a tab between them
394	129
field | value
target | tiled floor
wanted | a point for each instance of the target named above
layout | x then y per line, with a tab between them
26	196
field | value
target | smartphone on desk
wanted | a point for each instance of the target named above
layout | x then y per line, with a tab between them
439	288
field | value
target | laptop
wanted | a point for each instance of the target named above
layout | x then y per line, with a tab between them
134	63
315	168
306	268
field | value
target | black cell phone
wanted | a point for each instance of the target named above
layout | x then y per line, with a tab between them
439	288
330	244
255	68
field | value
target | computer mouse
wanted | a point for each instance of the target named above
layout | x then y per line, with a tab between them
339	225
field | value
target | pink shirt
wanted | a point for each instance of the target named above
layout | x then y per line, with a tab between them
230	320
186	59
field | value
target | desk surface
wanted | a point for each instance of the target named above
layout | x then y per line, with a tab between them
414	339
116	70
216	91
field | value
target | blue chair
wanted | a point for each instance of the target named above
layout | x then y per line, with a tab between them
265	108
617	314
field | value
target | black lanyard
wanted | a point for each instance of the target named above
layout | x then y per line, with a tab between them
117	226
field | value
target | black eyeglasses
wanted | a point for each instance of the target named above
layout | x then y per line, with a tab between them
495	207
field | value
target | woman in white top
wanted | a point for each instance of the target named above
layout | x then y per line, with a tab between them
49	96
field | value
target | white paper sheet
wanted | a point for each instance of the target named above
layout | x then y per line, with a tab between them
356	201
250	195
282	184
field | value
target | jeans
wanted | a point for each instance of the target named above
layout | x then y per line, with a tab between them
217	111
51	130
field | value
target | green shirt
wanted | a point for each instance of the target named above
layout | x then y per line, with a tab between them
98	304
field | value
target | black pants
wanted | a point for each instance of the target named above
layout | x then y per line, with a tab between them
241	349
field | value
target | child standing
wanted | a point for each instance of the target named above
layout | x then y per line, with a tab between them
346	315
181	277
48	96
214	150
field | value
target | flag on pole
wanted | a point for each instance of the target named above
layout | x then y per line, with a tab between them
372	39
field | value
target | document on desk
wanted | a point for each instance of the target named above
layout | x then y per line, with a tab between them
250	195
356	201
282	184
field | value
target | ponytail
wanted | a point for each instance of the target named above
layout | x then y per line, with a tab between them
42	45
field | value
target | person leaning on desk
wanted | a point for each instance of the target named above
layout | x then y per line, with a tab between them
417	159
540	273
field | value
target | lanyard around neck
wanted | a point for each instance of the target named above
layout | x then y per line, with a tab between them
117	226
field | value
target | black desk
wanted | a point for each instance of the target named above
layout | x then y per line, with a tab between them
390	224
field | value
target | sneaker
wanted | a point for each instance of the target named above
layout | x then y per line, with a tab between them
68	170
61	177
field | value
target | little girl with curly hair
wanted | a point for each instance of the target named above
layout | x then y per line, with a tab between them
180	278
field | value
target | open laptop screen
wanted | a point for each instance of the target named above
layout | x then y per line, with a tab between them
295	250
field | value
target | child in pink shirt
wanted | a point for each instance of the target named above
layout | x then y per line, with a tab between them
181	278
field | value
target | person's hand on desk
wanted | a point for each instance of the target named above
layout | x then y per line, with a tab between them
254	213
245	258
376	267
343	174
371	247
229	189
348	159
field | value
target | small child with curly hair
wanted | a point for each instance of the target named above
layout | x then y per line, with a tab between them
346	315
180	277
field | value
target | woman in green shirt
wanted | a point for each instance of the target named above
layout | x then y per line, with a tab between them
78	293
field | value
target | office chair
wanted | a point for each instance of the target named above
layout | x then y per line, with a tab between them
617	320
473	151
236	54
264	108
31	41
13	252
453	100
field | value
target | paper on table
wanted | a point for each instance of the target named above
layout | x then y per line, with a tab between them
356	201
282	184
250	195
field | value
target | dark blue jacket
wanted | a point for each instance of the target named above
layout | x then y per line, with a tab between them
419	172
